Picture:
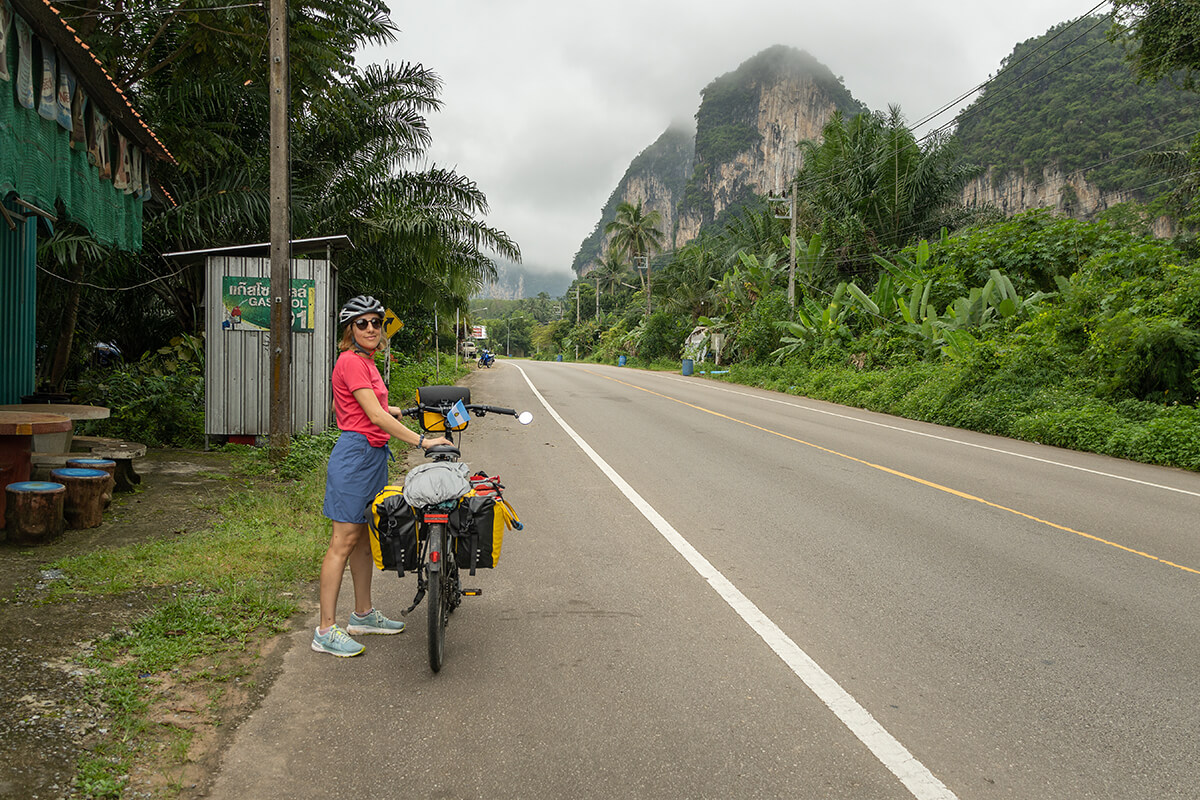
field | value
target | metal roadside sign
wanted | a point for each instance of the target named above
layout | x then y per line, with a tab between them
391	324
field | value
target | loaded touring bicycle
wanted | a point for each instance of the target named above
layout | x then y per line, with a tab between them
444	520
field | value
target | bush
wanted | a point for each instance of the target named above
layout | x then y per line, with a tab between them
662	336
759	336
156	410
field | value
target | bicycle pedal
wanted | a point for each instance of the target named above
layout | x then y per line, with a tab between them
472	592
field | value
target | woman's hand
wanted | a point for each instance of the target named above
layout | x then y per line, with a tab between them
428	443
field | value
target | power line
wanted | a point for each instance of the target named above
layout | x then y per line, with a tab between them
1005	68
114	288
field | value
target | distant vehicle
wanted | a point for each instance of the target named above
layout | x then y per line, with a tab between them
486	358
468	349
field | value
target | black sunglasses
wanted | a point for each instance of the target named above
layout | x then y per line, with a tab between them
374	322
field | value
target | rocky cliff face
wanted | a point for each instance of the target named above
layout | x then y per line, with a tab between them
1015	192
657	178
791	108
747	130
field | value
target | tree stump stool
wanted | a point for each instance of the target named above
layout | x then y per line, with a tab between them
34	511
102	464
87	490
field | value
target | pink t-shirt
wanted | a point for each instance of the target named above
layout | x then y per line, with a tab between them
356	371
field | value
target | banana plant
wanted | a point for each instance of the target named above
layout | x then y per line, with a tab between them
815	324
909	272
881	305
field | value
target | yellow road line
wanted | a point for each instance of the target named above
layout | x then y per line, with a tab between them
899	474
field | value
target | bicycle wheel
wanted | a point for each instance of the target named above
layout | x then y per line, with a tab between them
438	597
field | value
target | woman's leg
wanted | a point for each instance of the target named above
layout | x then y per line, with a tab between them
362	567
346	539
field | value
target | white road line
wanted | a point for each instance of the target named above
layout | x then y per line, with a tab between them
946	439
893	755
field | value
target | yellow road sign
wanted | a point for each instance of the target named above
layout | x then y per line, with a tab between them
391	324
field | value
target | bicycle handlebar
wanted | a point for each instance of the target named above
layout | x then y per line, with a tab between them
477	410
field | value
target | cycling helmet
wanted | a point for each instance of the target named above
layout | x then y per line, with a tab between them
357	306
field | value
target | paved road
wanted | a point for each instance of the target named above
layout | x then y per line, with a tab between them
745	594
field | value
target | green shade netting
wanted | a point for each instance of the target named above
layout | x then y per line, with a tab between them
37	162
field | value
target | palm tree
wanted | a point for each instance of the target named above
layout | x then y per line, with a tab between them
419	234
690	279
611	272
635	234
875	188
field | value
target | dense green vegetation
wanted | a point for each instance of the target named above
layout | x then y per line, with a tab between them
1161	37
358	140
1041	327
869	186
1068	98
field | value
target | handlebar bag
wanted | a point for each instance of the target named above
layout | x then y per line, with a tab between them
443	396
395	542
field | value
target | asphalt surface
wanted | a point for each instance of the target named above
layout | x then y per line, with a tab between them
993	619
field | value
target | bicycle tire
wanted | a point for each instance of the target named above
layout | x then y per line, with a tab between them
438	598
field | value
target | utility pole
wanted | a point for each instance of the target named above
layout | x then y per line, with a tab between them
576	303
792	268
647	257
281	278
597	295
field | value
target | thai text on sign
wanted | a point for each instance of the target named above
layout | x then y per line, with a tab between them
247	304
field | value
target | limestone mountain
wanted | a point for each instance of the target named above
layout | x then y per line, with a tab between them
1062	124
657	176
747	127
1065	124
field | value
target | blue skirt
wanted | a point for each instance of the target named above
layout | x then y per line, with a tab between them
357	472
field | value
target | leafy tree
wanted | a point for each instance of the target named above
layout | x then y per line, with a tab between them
200	76
635	233
687	284
1161	38
612	273
1067	99
752	229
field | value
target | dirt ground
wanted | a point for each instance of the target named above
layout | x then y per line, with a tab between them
46	720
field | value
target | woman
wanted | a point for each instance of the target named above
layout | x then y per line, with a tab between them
358	469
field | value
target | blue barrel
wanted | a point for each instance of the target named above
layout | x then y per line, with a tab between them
687	366
621	361
558	357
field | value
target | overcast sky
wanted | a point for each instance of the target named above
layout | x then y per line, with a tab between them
547	101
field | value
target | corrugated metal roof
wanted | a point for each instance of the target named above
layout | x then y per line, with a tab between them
299	247
101	88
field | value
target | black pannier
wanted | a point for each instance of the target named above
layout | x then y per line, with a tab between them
394	532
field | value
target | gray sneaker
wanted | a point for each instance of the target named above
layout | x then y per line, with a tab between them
336	642
373	622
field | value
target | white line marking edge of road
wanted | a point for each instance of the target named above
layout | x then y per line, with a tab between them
891	753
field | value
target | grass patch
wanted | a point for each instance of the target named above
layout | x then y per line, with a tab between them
216	594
